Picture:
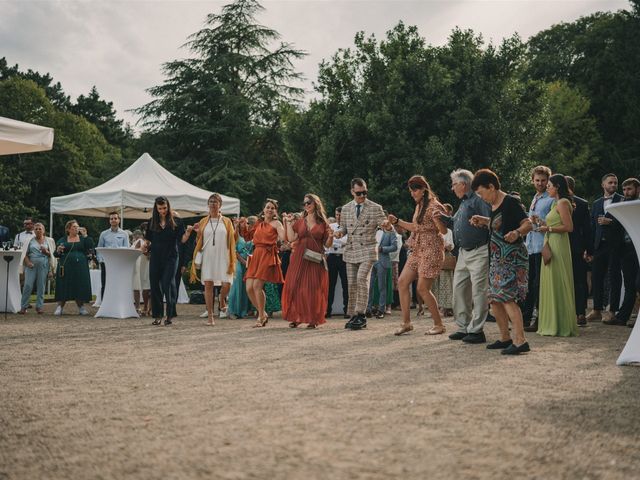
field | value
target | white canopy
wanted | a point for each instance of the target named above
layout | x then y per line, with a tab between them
133	192
21	137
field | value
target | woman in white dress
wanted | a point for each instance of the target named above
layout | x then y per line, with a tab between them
214	255
141	284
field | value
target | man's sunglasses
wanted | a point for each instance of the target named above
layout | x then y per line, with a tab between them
363	193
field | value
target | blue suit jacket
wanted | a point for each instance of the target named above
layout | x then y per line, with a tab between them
388	244
612	232
4	234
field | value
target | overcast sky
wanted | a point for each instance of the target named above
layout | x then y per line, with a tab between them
119	46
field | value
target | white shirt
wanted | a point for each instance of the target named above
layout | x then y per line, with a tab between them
395	256
23	238
338	244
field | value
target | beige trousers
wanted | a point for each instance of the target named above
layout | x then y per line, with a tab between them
470	287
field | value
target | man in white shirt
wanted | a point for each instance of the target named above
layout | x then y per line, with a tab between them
25	237
337	267
113	237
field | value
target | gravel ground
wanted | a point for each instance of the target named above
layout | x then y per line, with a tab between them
86	398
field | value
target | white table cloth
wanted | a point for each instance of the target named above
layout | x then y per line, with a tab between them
118	292
96	285
628	214
13	295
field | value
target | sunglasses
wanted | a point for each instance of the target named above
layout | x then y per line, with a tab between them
415	186
307	203
363	193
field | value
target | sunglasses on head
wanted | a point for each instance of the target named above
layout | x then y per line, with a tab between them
415	186
363	193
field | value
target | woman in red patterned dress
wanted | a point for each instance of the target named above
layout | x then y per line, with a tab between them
264	263
304	298
426	257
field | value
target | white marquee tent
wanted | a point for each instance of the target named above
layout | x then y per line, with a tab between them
21	137
133	192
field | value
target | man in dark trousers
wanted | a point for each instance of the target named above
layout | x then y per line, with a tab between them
606	260
581	246
628	260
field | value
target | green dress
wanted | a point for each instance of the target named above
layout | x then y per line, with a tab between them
557	315
73	281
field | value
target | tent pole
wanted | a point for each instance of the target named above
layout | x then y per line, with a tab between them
51	223
122	216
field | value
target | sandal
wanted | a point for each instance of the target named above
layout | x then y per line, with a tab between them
404	329
261	322
436	330
293	325
420	311
312	326
157	321
211	322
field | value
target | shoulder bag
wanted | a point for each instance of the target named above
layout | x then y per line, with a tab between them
312	255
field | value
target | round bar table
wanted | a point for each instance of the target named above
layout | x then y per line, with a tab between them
118	292
628	214
9	261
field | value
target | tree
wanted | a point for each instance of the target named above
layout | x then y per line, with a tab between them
218	113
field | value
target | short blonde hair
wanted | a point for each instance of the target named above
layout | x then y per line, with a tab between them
67	226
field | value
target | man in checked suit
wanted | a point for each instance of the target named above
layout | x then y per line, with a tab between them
360	220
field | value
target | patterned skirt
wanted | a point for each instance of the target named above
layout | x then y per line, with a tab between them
508	270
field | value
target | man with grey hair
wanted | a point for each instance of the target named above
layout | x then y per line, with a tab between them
471	276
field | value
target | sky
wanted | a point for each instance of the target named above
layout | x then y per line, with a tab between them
120	46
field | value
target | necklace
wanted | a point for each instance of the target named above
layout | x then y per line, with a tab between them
213	242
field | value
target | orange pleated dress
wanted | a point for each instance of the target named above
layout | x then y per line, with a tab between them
306	289
264	263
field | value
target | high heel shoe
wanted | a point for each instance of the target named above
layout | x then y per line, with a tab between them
403	329
261	322
157	321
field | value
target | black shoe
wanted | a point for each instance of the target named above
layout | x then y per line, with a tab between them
350	322
582	321
359	323
168	322
499	345
490	318
615	321
157	321
380	314
513	350
475	338
457	336
532	328
368	313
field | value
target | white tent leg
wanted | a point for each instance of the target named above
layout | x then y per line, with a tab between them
51	224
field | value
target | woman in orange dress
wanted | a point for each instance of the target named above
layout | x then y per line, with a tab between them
264	263
427	255
304	298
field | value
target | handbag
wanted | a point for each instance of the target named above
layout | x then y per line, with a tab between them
547	254
198	260
449	262
312	255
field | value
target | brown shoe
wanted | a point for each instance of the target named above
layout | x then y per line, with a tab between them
594	316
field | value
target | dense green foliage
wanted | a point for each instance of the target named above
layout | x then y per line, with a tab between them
229	118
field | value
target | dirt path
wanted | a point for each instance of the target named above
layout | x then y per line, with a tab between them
85	398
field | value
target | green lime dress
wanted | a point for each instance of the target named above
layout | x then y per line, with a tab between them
557	315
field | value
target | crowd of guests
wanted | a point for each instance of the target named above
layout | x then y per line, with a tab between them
493	257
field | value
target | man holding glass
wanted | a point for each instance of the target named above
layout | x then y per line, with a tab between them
25	236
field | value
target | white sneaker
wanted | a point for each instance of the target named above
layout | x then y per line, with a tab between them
58	311
204	315
223	314
83	311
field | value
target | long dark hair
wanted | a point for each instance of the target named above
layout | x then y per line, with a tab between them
560	182
418	182
319	213
154	223
272	201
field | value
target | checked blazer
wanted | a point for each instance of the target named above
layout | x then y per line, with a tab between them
361	243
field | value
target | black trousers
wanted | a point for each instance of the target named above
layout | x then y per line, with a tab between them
162	277
337	268
103	278
606	264
533	295
630	273
174	312
580	286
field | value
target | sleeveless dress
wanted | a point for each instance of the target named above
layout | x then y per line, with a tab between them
427	252
238	299
557	301
215	254
264	263
304	298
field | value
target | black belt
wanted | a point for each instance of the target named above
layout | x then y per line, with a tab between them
473	248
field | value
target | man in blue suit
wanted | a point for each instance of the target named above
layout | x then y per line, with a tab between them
606	259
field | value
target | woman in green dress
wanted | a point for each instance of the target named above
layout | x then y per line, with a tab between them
557	314
73	281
